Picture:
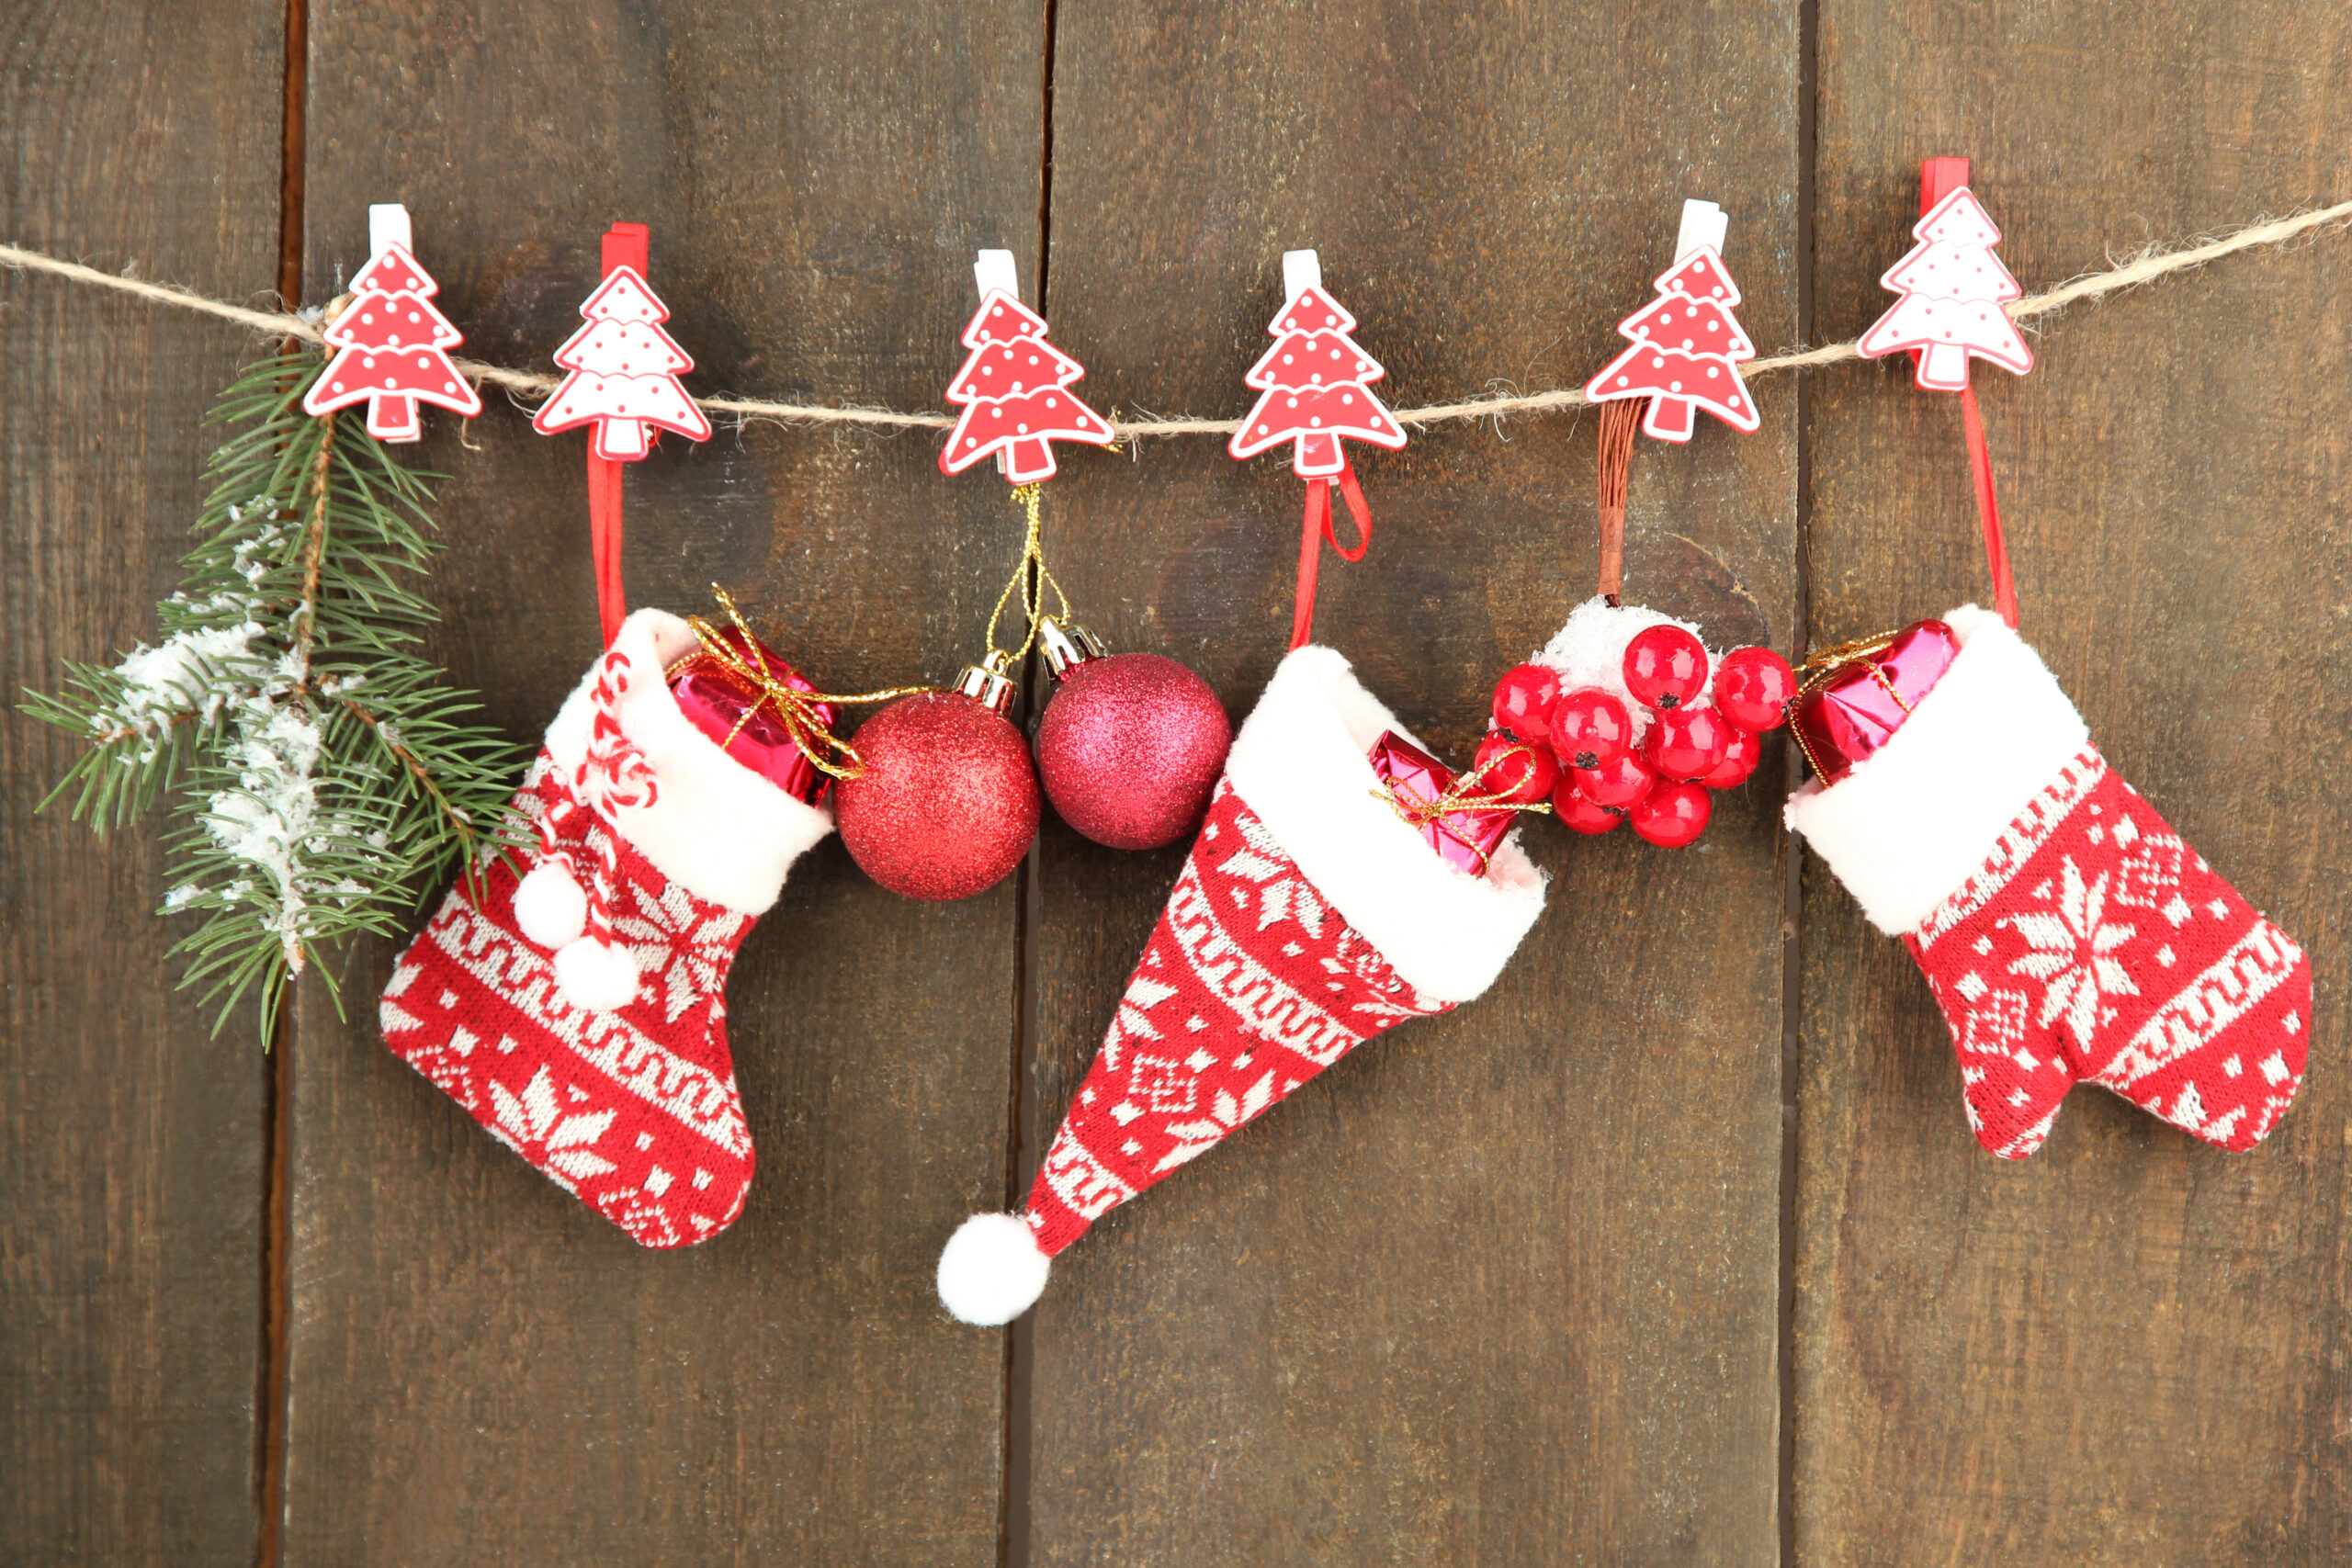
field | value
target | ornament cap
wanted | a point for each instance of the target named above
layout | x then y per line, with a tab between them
1067	646
986	684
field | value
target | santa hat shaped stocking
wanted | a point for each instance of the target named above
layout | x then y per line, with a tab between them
1308	918
577	1009
2068	933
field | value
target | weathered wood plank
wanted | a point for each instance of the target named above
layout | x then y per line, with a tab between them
2129	1349
483	1369
131	1143
1501	1287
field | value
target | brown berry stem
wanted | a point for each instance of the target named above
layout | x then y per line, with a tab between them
1619	420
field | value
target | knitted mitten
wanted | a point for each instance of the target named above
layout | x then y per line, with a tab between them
2068	933
1308	918
578	1010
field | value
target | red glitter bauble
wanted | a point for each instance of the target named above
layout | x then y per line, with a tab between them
947	802
1130	747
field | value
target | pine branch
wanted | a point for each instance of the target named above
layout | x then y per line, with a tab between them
323	776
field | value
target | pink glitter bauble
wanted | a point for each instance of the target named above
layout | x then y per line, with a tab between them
1130	747
947	802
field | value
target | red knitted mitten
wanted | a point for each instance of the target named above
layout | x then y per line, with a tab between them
1308	918
579	1011
2068	933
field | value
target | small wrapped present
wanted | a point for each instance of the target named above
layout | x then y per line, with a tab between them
1416	781
1855	697
731	688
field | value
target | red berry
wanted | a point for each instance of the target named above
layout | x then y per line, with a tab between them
1739	761
1523	700
1754	687
1583	815
1687	744
1591	728
1673	815
1665	667
1524	778
1620	783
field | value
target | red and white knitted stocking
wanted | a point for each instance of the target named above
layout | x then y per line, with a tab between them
1308	918
2068	933
578	1010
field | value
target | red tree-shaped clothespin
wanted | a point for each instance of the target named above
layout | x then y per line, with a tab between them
1952	289
1014	389
1314	390
392	345
624	381
1688	345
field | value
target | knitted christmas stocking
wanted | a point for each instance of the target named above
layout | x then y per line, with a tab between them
578	1011
1308	918
2068	934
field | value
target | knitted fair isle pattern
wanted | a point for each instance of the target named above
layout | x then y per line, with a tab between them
2092	945
635	1113
1251	985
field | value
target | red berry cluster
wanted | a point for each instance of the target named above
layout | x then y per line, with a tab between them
1579	745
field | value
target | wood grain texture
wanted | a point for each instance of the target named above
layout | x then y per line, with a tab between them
130	1141
483	1369
2129	1349
1500	1286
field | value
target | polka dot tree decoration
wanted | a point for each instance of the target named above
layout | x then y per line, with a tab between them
1688	345
392	345
1315	390
1015	389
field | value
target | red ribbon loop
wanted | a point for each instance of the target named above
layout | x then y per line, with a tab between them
1996	551
1317	529
605	542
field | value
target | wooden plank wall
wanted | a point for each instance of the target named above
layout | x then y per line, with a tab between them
1440	1305
132	1147
1506	1287
2126	1349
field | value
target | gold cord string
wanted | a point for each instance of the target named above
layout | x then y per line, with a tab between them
1460	796
798	711
1031	578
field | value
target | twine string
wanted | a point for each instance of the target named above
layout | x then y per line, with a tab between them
2153	263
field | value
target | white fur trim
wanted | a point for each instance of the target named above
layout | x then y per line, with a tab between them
990	1272
1907	827
549	906
1300	763
716	827
599	976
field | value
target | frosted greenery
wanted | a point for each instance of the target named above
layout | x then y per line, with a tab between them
320	775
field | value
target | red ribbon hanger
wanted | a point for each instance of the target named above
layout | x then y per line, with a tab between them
629	245
1939	177
1311	544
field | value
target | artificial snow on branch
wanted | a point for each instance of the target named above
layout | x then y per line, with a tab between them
321	772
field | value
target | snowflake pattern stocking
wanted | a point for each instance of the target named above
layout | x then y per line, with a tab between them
578	1011
2084	941
1308	918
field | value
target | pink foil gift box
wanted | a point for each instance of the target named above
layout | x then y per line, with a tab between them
1465	838
1857	700
716	700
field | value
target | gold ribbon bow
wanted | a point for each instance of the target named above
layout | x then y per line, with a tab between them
1460	796
800	713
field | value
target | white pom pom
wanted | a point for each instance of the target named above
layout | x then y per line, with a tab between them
549	906
991	1271
600	977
